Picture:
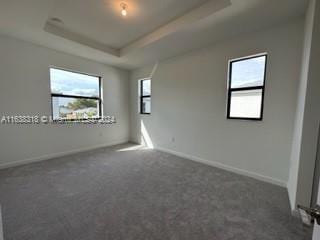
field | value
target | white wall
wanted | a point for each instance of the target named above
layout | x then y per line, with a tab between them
24	90
189	105
304	145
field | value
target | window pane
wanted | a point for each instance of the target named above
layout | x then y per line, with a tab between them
74	108
248	73
70	83
246	104
146	87
146	105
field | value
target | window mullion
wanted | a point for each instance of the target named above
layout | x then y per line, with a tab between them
246	88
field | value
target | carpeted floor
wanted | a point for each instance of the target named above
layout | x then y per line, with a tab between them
117	193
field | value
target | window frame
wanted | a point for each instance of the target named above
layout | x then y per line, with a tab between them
99	98
241	89
144	96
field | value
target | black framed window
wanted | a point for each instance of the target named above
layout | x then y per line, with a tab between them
145	96
246	87
75	96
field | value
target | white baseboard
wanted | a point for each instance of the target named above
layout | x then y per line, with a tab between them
1	226
180	154
226	167
60	154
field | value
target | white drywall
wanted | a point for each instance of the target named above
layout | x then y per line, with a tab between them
304	145
25	90
189	105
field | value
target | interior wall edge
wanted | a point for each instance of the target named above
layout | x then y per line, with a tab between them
1	227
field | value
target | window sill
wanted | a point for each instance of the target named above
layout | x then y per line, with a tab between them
243	118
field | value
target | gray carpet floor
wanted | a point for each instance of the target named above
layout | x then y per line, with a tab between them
140	194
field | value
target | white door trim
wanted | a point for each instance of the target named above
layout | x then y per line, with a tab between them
1	228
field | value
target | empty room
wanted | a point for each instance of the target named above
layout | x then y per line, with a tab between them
159	120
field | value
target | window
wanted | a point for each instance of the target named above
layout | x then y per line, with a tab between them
246	88
145	96
75	96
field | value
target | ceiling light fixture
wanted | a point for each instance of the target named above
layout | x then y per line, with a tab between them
124	7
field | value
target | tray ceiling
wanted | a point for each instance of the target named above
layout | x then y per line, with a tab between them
152	31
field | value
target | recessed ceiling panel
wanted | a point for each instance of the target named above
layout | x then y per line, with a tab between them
101	20
95	29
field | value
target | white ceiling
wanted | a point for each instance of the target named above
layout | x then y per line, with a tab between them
101	19
152	31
